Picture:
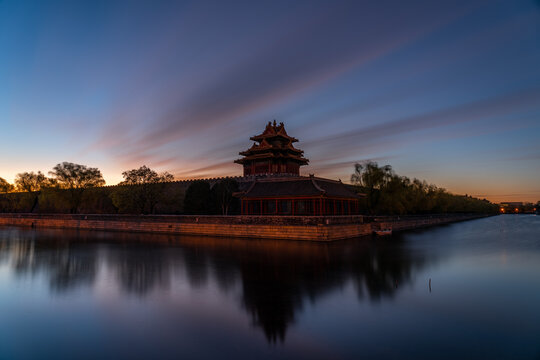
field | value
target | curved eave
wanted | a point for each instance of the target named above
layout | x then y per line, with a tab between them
252	151
261	137
301	161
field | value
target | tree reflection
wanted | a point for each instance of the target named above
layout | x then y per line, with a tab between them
64	259
275	278
140	269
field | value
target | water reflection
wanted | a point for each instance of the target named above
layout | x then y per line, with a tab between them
139	270
66	264
275	278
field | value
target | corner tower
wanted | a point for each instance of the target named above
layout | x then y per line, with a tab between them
272	153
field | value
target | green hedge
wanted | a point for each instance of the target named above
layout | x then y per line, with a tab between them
161	198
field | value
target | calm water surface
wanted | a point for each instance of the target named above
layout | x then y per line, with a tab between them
97	295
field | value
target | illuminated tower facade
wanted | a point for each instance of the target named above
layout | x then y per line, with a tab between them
272	153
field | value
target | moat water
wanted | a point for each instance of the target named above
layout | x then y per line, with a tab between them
468	290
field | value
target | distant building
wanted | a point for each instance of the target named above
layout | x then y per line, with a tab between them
277	187
512	204
517	207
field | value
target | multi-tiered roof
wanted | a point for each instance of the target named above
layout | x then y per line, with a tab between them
272	153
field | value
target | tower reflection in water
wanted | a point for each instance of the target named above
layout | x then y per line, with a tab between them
276	278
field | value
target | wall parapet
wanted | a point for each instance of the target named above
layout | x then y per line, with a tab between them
202	219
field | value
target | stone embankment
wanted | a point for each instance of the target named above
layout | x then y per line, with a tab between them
311	228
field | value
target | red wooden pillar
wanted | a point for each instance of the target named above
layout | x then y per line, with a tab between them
242	207
260	207
292	205
321	210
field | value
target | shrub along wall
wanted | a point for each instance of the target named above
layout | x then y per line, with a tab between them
164	198
152	198
170	199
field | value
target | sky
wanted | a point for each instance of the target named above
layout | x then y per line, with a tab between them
445	91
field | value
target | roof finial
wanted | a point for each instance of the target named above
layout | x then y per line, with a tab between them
274	122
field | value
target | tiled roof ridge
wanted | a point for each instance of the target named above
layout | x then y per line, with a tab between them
274	130
314	182
328	180
279	178
283	178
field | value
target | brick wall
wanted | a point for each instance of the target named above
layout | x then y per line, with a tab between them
312	228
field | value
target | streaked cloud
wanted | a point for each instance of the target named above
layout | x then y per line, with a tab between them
180	86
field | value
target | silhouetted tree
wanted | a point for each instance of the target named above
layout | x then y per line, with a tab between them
144	192
31	181
75	178
144	175
222	195
371	178
198	199
388	193
5	187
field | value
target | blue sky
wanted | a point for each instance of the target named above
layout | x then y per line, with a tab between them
448	91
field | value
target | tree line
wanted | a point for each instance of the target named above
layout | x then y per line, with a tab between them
391	194
74	188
